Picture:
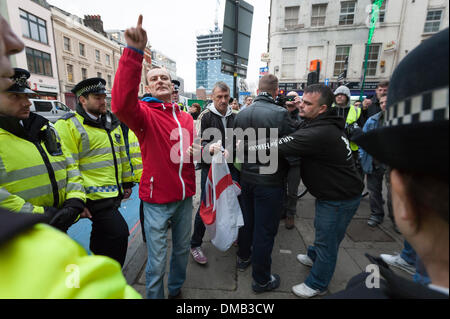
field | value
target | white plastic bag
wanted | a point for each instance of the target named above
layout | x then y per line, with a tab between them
221	199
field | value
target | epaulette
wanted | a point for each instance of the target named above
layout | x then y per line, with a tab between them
67	116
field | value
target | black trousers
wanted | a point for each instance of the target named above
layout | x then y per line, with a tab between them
109	235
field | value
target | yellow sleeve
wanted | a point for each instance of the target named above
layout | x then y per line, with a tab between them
44	263
17	204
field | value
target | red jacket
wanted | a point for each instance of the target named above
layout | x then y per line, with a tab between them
169	175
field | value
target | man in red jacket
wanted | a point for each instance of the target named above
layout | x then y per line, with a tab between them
167	185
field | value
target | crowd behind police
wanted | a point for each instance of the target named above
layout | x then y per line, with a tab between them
80	168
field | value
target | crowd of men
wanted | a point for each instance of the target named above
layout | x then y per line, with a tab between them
86	164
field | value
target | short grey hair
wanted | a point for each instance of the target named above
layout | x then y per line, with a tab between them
222	86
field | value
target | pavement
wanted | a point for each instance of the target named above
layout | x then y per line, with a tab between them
219	278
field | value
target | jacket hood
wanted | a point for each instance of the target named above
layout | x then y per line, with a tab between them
213	109
158	104
100	122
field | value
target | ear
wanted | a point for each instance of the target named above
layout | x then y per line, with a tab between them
323	108
147	89
405	215
82	100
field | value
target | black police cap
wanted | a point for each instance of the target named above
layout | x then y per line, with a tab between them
20	79
415	135
176	85
88	86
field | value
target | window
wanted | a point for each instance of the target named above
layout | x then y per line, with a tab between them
83	73
288	62
69	72
39	62
41	106
318	15
108	60
66	44
97	55
342	52
33	27
433	21
109	78
347	12
82	49
372	61
61	107
291	16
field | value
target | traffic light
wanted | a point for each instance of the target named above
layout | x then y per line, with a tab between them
281	92
313	76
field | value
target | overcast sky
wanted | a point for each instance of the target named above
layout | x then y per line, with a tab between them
172	26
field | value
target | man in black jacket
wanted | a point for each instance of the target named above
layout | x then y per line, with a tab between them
372	106
216	125
329	172
262	182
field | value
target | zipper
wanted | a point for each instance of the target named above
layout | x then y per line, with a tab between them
181	151
115	162
151	187
51	174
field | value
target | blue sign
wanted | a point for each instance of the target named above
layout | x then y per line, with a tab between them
264	70
327	81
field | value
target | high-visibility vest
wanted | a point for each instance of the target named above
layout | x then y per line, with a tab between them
31	178
101	156
135	156
65	270
353	115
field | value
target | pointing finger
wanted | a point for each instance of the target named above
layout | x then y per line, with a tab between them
139	24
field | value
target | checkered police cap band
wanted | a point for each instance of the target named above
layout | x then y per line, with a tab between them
21	81
425	107
91	88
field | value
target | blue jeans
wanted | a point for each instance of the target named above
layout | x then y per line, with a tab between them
156	221
330	223
409	255
261	209
199	226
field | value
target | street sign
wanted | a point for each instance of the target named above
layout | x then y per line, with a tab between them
327	81
265	57
237	29
263	71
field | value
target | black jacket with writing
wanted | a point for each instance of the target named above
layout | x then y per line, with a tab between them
327	167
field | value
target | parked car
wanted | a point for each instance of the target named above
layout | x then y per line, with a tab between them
50	109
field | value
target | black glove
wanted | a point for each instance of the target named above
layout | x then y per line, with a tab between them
64	218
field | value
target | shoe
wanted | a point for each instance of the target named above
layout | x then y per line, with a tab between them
242	264
303	291
372	222
305	260
274	283
198	255
399	262
177	296
289	222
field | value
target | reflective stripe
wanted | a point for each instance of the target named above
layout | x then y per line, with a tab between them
102	164
70	160
121	160
138	166
126	174
100	151
135	155
4	194
73	173
101	189
74	187
84	135
27	208
75	156
40	191
33	171
135	144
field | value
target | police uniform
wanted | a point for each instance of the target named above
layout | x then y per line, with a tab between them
98	148
176	88
37	173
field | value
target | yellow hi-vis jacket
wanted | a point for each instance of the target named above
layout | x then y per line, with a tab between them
353	115
99	154
135	156
40	262
31	178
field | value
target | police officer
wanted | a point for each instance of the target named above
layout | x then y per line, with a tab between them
176	95
94	137
37	175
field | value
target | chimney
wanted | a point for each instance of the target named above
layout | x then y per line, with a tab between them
95	23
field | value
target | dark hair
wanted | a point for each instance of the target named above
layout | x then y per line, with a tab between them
427	193
197	106
326	94
383	84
